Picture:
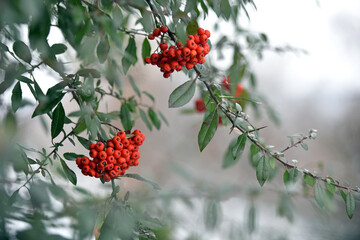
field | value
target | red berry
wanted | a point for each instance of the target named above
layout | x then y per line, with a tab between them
121	134
151	37
200	31
85	160
166	74
200	105
163	46
207	32
239	90
99	146
163	29
147	60
102	155
92	146
156	32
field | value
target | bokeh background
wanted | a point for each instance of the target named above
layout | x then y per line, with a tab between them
316	88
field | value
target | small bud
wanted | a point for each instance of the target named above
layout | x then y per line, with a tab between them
251	135
358	189
250	128
294	161
306	171
328	180
269	146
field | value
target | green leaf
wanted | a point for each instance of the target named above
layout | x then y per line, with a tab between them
304	146
68	172
285	207
13	197
343	194
329	187
182	94
140	178
146	49
50	100
58	48
125	117
71	156
319	193
16	97
239	147
149	95
102	50
22	51
87	72
192	27
57	123
145	119
154	118
251	219
83	141
309	180
350	204
225	9
208	129
254	155
134	86
228	159
24	79
211	214
262	170
130	57
164	118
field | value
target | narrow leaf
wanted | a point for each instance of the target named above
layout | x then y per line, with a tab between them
68	172
350	204
134	86
83	141
228	159
16	97
154	118
102	50
262	170
57	122
239	147
319	194
125	117
309	180
146	49
145	119
208	129
182	94
71	156
140	178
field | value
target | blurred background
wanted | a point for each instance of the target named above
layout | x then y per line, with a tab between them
318	89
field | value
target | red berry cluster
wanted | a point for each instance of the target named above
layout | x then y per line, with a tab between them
114	158
171	58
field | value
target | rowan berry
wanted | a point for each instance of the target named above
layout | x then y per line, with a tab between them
92	164
189	66
191	44
151	37
239	90
92	173
96	160
203	38
125	153
167	67
136	162
99	146
113	174
154	57
142	136
130	148
117	154
121	134
136	148
156	32
186	51
109	151
117	168
137	139
109	166
166	74
116	139
102	155
78	161
193	53
110	159
200	105
119	146
200	31
179	45
93	153
207	32
137	132
125	142
106	177
85	160
109	143
121	160
147	60
163	46
135	155
92	146
164	29
86	168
